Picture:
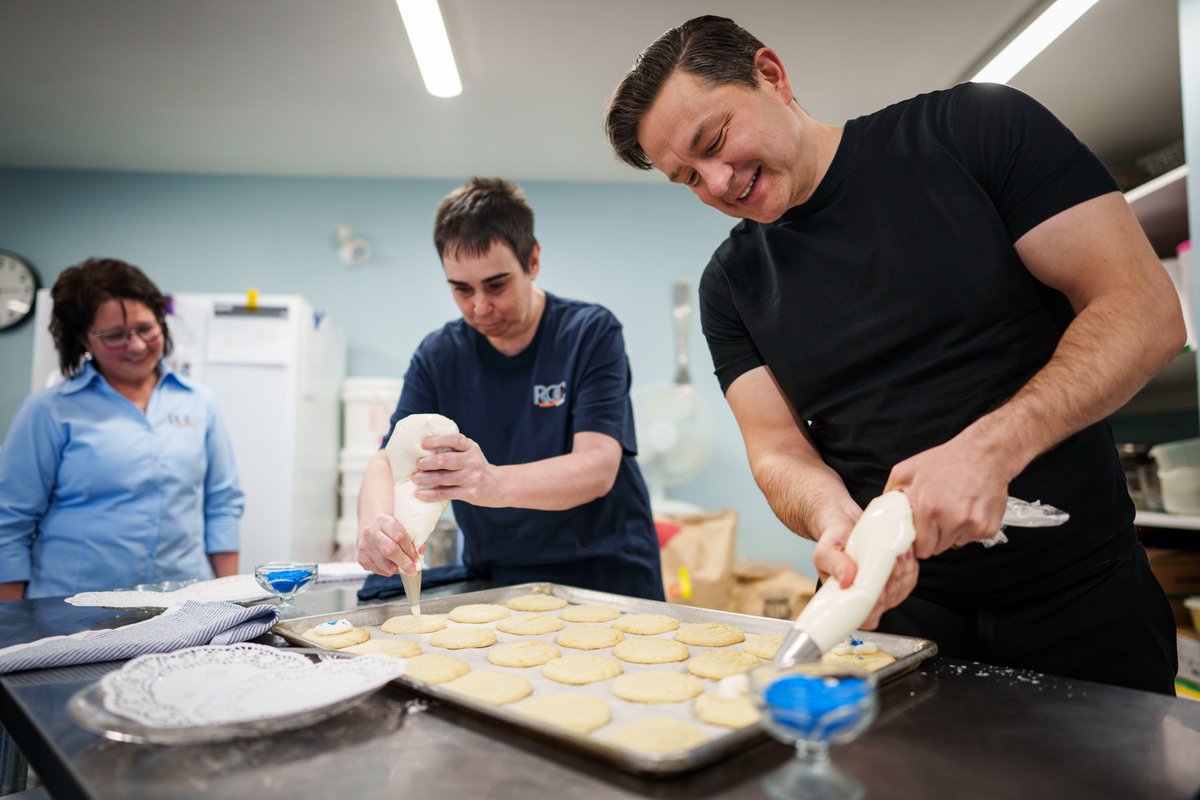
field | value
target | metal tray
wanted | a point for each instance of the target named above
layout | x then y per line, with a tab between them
909	653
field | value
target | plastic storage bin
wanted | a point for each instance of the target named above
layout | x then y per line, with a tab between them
1179	475
368	404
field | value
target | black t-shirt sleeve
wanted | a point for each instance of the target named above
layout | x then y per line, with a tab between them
729	342
1030	164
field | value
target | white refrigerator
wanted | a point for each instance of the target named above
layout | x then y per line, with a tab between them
276	368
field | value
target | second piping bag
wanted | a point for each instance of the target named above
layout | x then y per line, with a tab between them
419	517
882	534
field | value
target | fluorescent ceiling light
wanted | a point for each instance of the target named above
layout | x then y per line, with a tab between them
431	46
1033	40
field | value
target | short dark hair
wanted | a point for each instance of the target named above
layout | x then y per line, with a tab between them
481	212
81	289
715	50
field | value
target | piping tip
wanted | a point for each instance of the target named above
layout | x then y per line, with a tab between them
797	648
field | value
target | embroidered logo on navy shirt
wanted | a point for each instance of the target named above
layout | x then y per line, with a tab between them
549	396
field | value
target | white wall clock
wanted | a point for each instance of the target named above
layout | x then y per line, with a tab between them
18	288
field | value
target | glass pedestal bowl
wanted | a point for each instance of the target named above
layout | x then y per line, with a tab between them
285	579
811	707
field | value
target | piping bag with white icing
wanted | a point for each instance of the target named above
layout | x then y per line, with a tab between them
882	534
419	517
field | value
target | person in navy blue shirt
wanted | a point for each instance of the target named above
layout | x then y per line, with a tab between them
542	473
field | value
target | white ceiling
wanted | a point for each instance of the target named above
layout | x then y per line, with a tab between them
330	87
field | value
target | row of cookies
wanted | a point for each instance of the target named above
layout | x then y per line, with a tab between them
576	710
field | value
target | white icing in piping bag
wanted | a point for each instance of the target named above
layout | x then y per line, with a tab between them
883	533
419	517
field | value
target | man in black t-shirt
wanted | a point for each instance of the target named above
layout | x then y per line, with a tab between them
946	297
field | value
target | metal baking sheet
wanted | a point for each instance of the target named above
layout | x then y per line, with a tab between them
909	652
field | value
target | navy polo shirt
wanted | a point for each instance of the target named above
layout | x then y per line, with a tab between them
573	377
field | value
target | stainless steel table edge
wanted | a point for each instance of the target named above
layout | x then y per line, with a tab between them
915	651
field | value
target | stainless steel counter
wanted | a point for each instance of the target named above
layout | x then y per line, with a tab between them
952	730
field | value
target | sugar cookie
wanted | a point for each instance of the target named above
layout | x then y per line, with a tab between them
413	623
461	638
435	668
337	633
589	614
763	645
868	662
650	651
717	664
396	648
582	669
530	625
658	686
523	654
709	634
737	712
658	735
491	686
646	624
536	602
576	711
478	613
581	637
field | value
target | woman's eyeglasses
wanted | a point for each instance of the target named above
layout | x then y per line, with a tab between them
148	332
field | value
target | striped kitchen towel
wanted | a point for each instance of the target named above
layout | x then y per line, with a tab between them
188	625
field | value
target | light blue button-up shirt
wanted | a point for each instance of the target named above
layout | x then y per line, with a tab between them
95	495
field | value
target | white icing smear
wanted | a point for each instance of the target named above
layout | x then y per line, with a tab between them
332	627
883	533
733	687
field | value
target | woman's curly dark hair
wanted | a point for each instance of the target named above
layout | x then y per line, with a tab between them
81	289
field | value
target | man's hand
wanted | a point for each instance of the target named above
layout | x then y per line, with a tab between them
385	548
458	470
957	494
830	559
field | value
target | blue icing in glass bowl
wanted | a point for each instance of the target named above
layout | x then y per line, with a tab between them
817	707
291	580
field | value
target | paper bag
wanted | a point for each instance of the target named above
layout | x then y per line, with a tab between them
697	557
770	589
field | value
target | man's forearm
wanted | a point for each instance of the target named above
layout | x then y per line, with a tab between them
807	497
1103	359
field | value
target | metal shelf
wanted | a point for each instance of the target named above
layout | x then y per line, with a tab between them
1158	519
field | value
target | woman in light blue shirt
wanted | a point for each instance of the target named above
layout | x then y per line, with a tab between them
123	473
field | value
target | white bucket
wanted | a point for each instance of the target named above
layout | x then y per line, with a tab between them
367	406
1180	489
347	535
351	467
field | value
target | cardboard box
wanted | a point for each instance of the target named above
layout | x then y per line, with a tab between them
770	589
1179	573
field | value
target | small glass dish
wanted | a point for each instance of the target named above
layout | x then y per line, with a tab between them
811	707
285	579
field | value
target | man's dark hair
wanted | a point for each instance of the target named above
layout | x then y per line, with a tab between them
81	289
713	49
481	212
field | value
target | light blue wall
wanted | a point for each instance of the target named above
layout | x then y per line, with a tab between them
618	245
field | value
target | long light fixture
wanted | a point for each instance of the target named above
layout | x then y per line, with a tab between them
431	46
1034	39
